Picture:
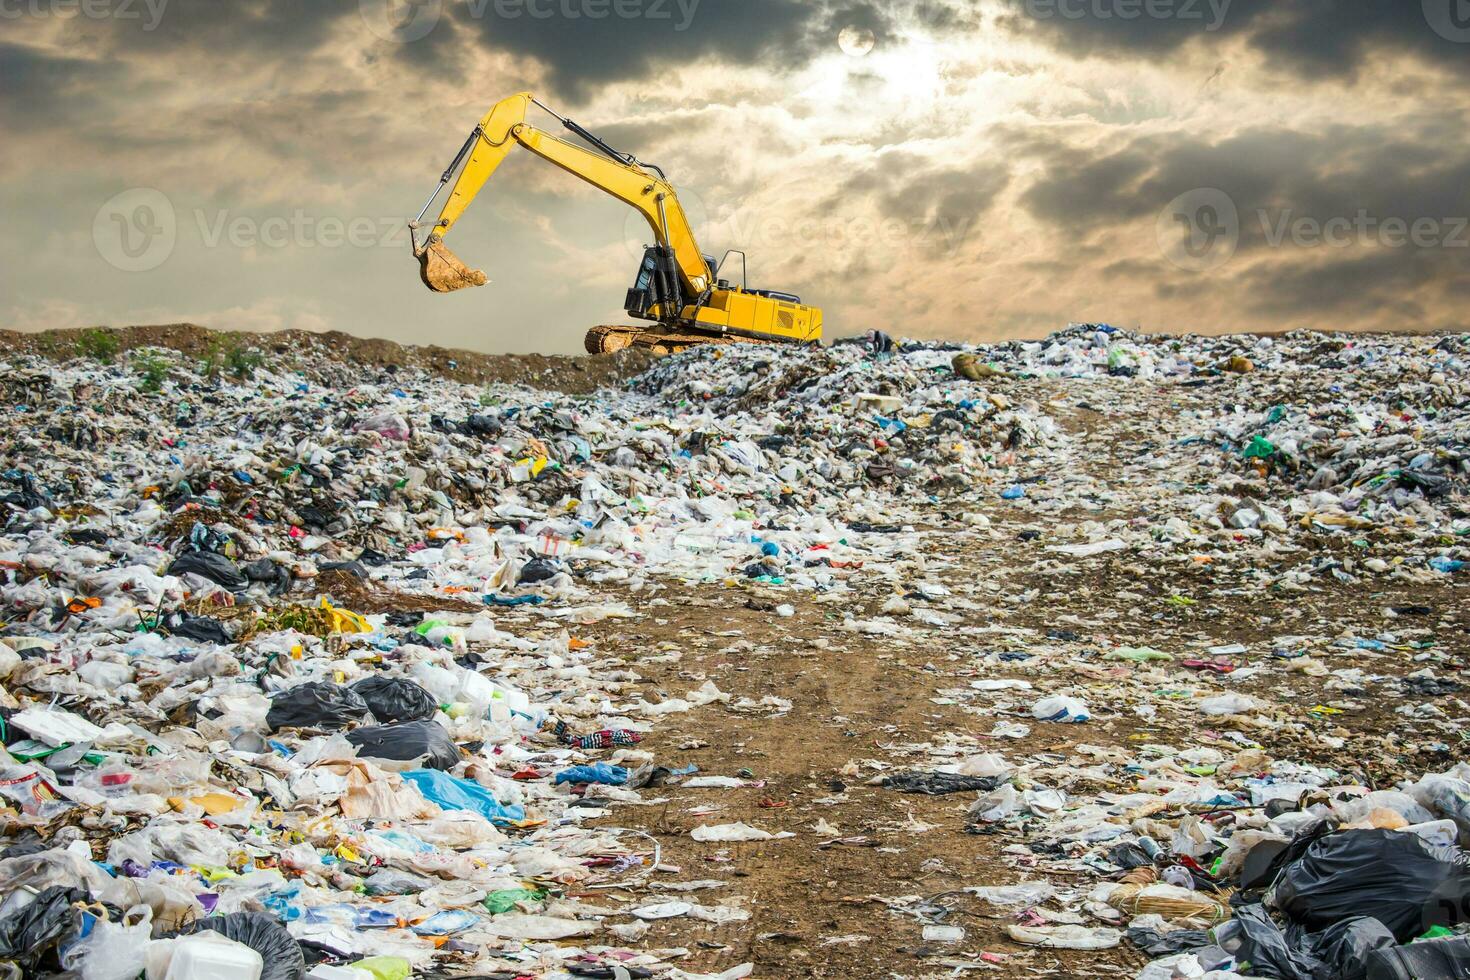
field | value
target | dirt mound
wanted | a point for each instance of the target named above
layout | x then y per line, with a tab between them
573	375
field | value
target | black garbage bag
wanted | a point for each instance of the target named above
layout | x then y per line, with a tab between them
30	495
1345	949
538	570
1402	880
940	783
1261	948
407	742
316	705
1429	484
201	628
1156	943
485	426
213	566
28	934
1437	958
277	578
262	933
394	699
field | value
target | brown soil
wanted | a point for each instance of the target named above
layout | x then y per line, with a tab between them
299	349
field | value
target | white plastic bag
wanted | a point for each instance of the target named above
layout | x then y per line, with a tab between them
1069	711
113	950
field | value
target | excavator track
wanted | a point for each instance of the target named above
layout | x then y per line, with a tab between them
611	339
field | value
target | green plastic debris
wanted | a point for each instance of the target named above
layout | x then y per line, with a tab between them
1437	932
385	967
504	901
1260	449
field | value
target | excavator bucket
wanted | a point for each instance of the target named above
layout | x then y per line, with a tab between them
443	272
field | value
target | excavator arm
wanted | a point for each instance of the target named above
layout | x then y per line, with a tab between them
504	128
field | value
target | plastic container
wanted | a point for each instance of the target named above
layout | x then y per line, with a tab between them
210	956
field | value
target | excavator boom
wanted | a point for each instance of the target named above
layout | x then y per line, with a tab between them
676	285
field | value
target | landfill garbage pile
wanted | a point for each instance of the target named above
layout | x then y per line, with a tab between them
341	671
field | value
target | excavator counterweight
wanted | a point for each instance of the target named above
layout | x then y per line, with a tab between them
677	289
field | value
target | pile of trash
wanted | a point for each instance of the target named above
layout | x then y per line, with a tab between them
291	683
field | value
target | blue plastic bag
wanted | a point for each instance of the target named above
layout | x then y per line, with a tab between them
462	794
601	773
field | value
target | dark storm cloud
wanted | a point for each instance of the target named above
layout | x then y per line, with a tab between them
1338	172
1312	38
1323	291
629	39
1325	219
41	90
256	27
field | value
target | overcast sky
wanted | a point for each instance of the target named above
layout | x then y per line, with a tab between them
968	169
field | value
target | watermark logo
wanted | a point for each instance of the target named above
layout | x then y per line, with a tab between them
1200	230
149	12
1210	14
401	21
406	21
139	229
1448	906
136	231
1450	19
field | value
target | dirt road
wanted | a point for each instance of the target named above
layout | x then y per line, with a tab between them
868	868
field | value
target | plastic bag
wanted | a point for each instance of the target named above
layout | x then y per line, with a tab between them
264	934
316	705
28	933
213	566
601	773
729	833
1447	797
1066	710
462	794
1399	879
1253	938
396	699
994	807
113	950
407	742
940	783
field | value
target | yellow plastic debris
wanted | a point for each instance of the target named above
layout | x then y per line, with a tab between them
345	620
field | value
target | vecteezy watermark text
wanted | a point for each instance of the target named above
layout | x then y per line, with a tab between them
406	21
150	12
1209	13
139	229
1202	230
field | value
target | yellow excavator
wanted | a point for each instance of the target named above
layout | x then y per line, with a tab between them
679	289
